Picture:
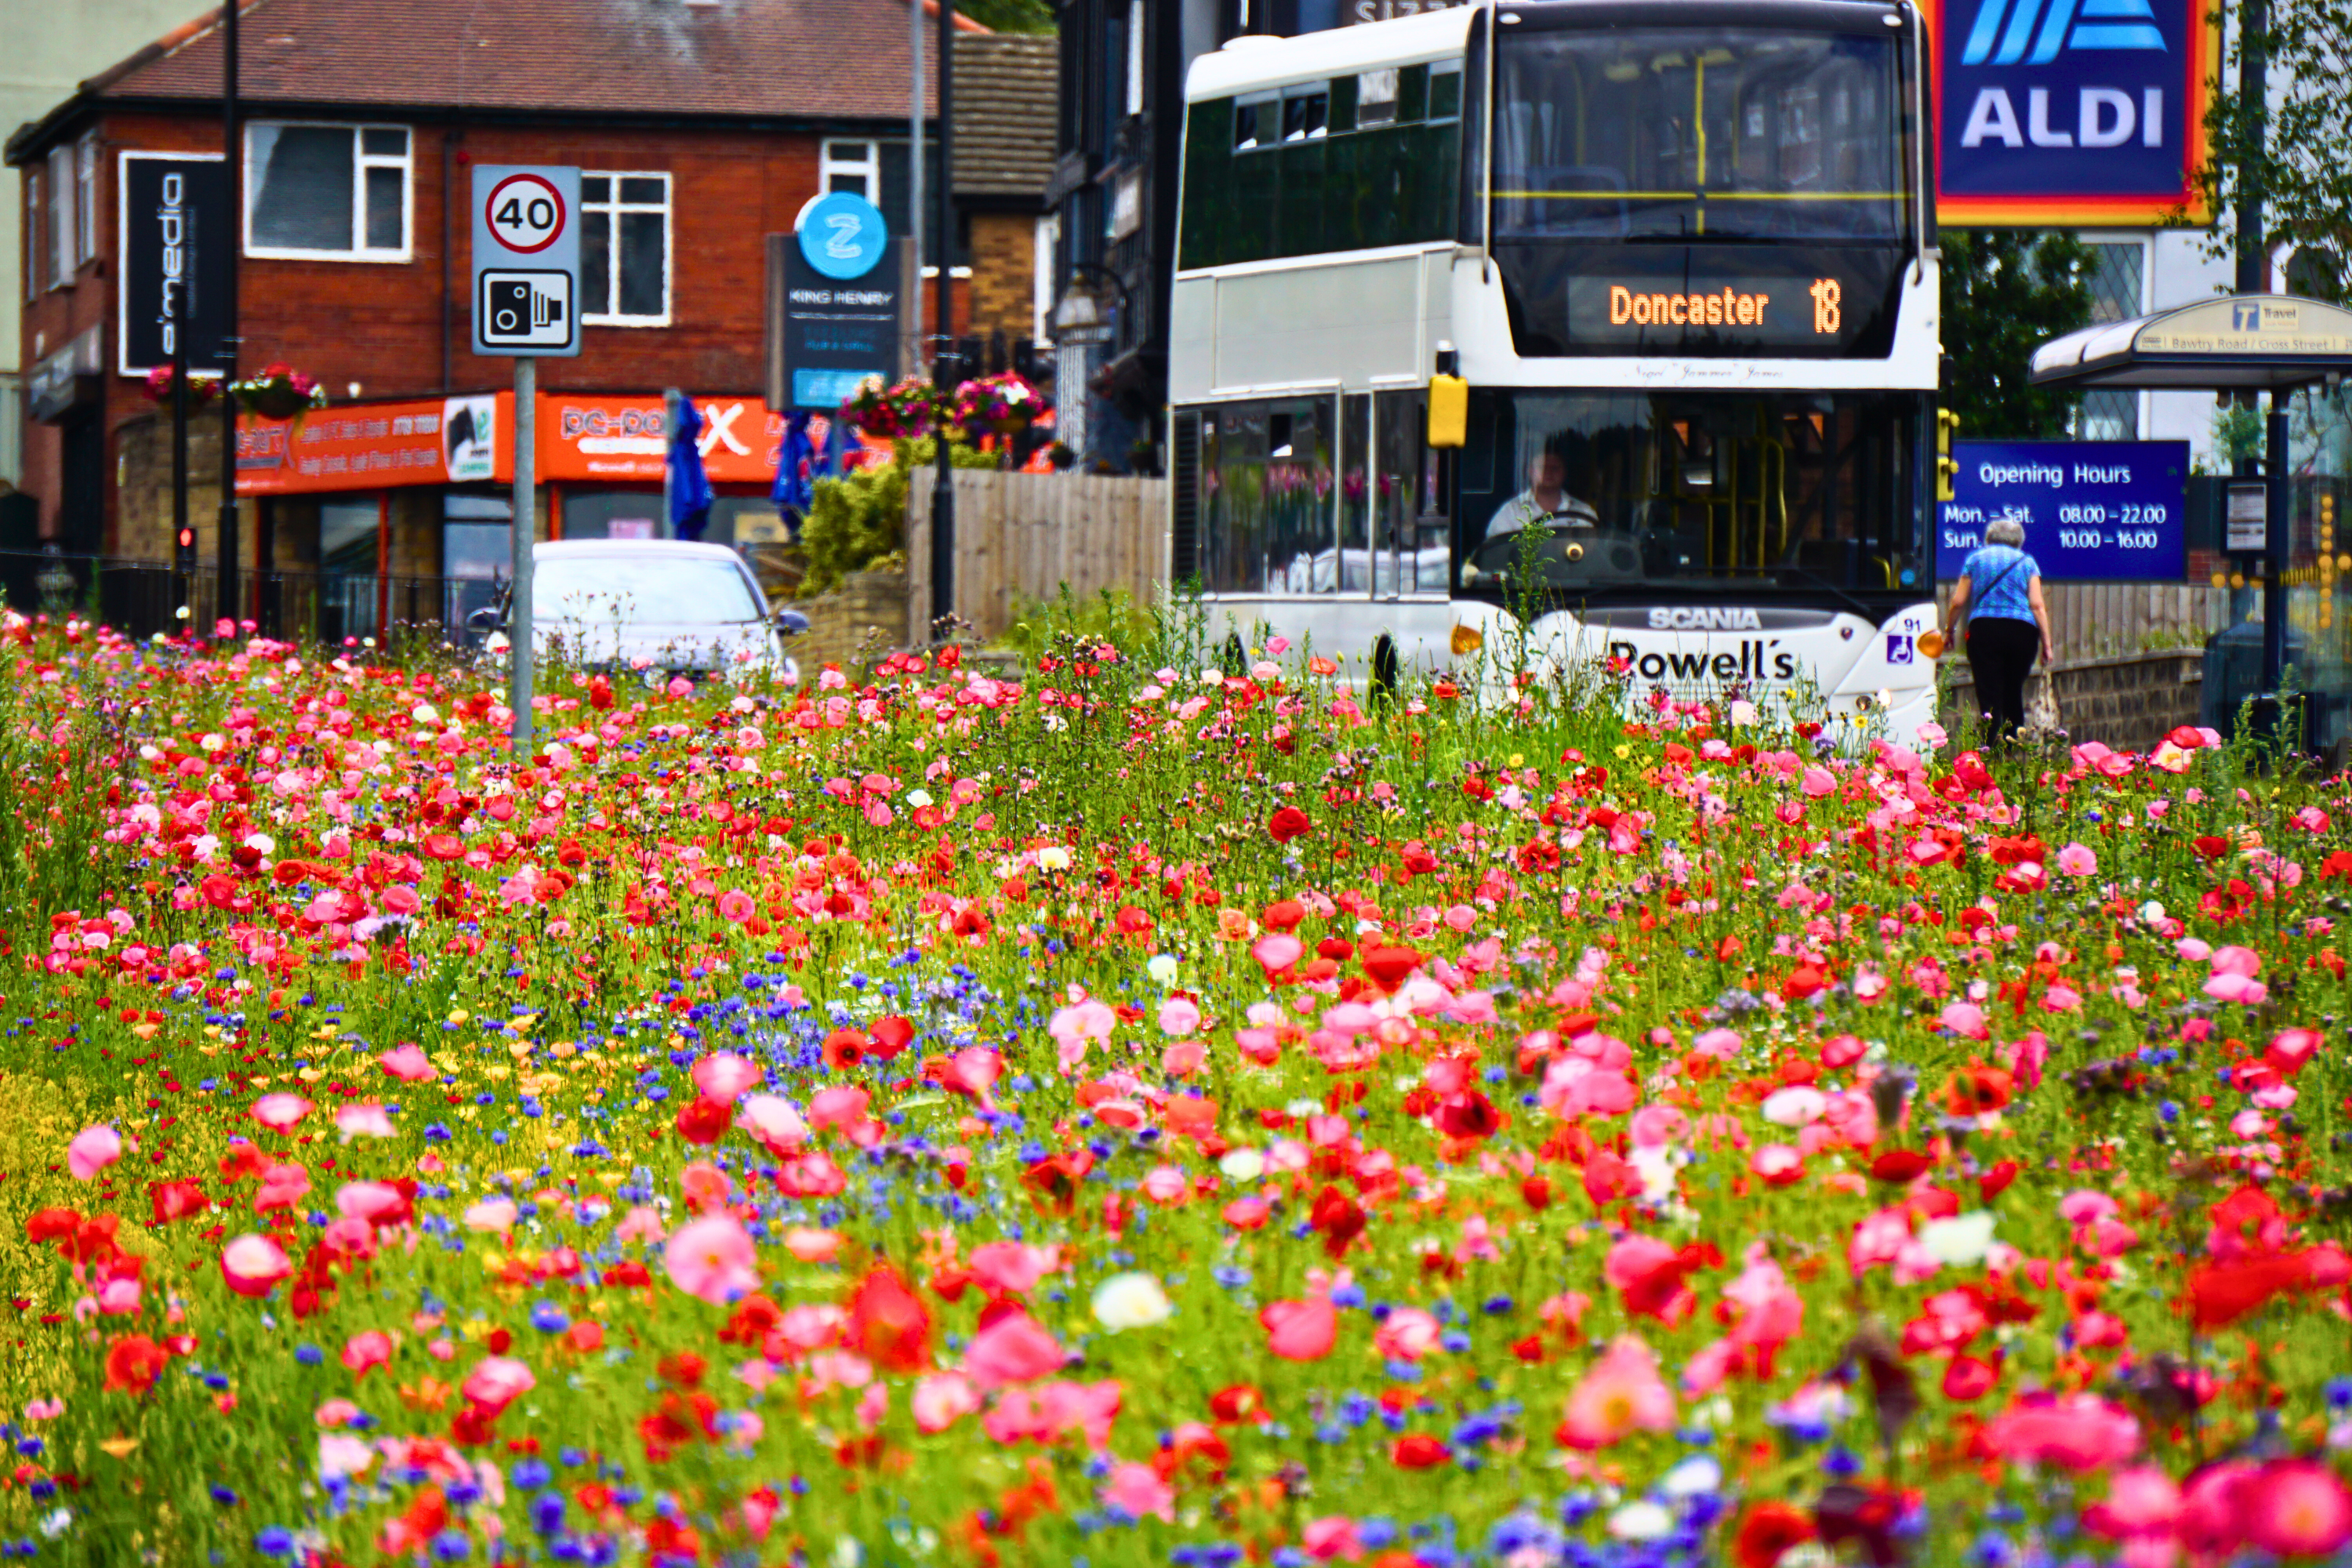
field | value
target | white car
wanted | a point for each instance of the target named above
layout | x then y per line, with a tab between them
659	605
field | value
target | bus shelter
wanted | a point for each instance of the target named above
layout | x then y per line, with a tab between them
2252	343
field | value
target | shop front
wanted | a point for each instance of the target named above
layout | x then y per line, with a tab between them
375	515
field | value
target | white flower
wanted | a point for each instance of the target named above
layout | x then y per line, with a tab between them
1640	1521
1130	1301
1052	858
1693	1477
1961	1240
1162	968
1244	1164
918	798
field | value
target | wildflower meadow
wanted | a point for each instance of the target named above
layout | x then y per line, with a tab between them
1148	1112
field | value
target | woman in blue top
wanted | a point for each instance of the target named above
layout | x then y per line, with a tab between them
2002	586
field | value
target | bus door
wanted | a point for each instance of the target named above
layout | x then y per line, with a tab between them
1413	534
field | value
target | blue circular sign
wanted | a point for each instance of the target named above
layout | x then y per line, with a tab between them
843	236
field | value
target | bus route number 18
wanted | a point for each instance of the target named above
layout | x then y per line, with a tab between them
1825	292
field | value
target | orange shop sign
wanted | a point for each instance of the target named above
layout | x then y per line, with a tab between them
625	439
374	446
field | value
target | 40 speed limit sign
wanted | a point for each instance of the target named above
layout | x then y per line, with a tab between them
526	292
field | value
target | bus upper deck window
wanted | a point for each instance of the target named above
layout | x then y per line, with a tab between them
1445	90
1306	115
1254	122
1376	97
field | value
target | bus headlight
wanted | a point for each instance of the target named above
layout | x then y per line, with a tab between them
1467	640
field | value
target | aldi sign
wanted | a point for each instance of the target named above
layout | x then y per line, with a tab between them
2057	113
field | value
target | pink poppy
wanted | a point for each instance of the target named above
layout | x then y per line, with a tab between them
724	1077
1409	1334
774	1123
367	1120
496	1383
1300	1331
1619	1394
93	1149
736	905
1012	1268
1136	1491
942	1399
1277	951
2078	860
1012	1349
280	1112
407	1063
252	1265
1179	1016
713	1258
2296	1508
364	1352
2081	1432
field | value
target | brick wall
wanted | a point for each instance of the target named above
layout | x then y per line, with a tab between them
844	620
381	324
2129	702
1003	274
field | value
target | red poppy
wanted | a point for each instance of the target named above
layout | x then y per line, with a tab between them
1766	1530
843	1048
1287	824
1900	1166
703	1121
1389	966
889	1323
891	1035
1418	1451
133	1363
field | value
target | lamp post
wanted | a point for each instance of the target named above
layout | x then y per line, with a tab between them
232	171
943	483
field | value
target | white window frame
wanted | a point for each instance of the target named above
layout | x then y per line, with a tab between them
1134	57
850	157
86	194
613	209
60	258
361	162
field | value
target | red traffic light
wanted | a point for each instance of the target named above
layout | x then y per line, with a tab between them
187	538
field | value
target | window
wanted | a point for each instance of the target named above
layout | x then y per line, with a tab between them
624	249
1135	56
32	234
86	207
852	166
1349	163
2116	288
327	191
61	216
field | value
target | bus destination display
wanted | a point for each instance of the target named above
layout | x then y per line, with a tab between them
2094	511
1795	302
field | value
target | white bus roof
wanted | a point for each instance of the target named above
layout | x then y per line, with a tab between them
1250	61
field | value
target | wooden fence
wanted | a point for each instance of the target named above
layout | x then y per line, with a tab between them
1019	538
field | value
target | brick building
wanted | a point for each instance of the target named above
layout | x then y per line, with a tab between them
1005	85
702	126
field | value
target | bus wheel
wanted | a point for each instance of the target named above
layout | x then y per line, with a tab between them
1384	668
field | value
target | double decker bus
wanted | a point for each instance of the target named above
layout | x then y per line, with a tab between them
1683	256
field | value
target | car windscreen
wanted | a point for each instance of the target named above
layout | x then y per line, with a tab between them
635	588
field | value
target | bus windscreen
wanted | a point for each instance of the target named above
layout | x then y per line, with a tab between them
1692	135
1594	491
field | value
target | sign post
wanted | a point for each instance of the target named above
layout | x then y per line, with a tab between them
2093	512
526	298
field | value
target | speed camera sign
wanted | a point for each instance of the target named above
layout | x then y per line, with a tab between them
526	260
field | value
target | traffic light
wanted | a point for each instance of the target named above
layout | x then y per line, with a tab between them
1947	469
185	545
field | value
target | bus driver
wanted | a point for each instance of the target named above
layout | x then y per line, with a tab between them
1545	503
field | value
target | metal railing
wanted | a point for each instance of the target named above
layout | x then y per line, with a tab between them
141	598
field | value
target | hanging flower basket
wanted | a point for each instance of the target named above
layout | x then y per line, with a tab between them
1004	403
280	392
202	389
892	412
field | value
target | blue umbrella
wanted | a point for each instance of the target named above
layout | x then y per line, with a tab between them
689	488
794	490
